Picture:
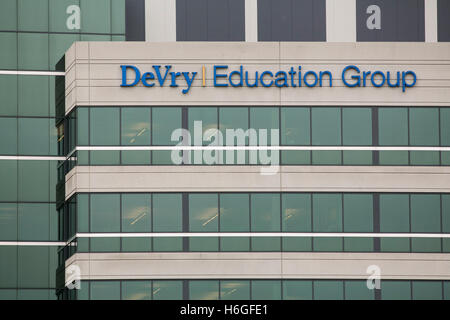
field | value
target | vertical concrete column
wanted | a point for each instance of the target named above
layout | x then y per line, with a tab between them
341	20
160	20
251	20
431	27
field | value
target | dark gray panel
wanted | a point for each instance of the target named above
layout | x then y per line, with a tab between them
401	20
135	20
443	20
210	20
291	20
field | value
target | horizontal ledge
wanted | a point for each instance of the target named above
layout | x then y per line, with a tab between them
32	158
32	243
33	73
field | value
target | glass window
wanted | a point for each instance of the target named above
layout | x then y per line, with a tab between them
59	16
8	294
34	181
328	290
446	220
357	290
33	267
235	290
59	44
105	212
234	217
8	184
33	221
34	136
136	126
8	130
297	290
426	217
8	95
204	290
136	290
8	266
234	118
393	131
357	131
395	290
296	130
266	290
8	15
167	217
105	290
33	51
424	131
104	126
33	96
8	221
265	216
203	217
427	290
394	217
82	126
326	131
206	119
446	290
168	290
8	49
33	15
95	16
264	118
118	16
136	217
296	217
327	217
164	122
445	134
358	217
35	294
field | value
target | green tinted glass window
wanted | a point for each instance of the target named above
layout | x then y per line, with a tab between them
393	131
8	221
394	217
263	118
33	267
427	290
424	131
33	51
135	126
266	290
118	16
203	217
59	16
357	290
167	217
168	290
105	290
95	16
295	126
105	212
8	266
265	216
328	290
445	126
233	118
327	217
234	217
235	290
104	126
33	220
82	126
426	217
8	128
33	96
8	95
34	136
8	15
83	212
8	49
136	290
358	217
297	290
33	15
204	290
296	217
59	44
326	130
395	290
136	213
357	131
8	184
164	122
33	181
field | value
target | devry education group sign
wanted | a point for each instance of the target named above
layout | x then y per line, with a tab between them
351	76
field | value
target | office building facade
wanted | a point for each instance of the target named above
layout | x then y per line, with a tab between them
355	186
